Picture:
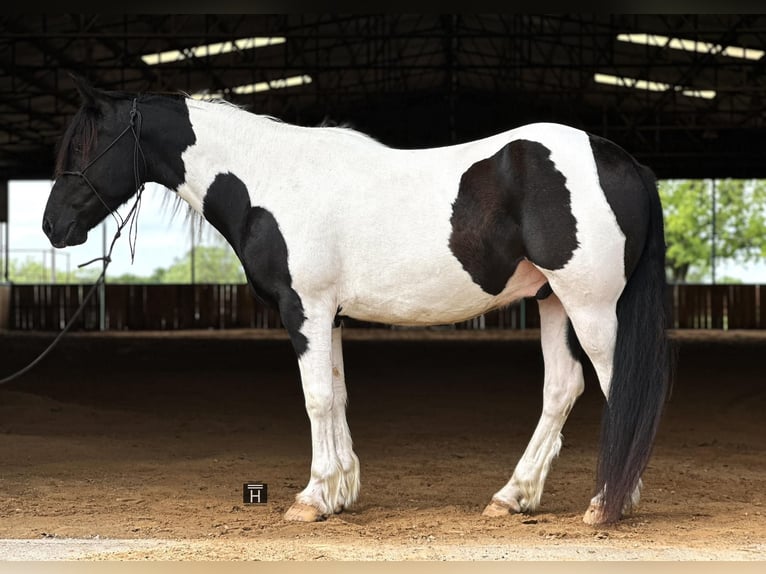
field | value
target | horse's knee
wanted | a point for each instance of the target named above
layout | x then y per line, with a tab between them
318	401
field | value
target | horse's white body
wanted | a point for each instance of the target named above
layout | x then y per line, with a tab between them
372	224
367	229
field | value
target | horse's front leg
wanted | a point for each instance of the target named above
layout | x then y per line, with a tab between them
328	490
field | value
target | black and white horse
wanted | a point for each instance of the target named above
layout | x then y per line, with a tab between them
329	223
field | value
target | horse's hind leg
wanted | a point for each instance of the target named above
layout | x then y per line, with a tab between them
563	384
596	328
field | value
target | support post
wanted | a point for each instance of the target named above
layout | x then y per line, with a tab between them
192	254
102	287
713	232
4	213
5	284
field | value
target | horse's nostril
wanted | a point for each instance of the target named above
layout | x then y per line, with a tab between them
47	226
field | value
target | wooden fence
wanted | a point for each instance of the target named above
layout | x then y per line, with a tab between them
167	307
718	307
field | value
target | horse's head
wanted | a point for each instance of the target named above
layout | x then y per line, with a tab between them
99	165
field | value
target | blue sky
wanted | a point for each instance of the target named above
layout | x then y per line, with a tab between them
161	237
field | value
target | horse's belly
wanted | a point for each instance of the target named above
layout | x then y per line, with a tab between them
436	297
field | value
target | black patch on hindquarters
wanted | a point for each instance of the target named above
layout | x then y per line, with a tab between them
626	194
486	237
512	205
254	234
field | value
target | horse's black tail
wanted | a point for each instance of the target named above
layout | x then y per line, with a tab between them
641	370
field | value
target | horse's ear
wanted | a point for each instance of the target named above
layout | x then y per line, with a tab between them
88	93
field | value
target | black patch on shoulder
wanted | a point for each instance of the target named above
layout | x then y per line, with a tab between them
512	205
254	234
626	194
226	207
544	292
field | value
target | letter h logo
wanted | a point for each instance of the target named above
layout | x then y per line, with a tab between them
254	493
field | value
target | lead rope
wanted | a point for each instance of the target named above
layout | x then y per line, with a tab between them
130	219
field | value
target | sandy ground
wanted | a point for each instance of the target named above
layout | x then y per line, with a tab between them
136	447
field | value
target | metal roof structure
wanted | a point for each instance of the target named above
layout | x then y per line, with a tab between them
691	109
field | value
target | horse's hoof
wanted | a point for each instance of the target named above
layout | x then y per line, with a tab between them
300	512
496	508
594	515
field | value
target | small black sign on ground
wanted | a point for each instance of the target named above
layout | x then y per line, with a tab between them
254	493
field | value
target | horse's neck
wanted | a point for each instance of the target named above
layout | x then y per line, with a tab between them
228	139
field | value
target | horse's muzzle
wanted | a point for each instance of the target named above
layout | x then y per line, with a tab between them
72	235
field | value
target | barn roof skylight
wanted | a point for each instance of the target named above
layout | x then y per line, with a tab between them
692	46
211	49
278	84
651	86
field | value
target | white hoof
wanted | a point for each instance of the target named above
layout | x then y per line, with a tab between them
594	515
501	508
300	512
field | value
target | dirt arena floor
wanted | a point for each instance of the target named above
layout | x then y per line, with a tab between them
136	447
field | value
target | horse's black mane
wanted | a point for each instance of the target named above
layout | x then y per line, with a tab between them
78	139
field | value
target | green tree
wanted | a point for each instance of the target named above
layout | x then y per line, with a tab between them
28	271
740	224
85	275
212	264
130	278
32	271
